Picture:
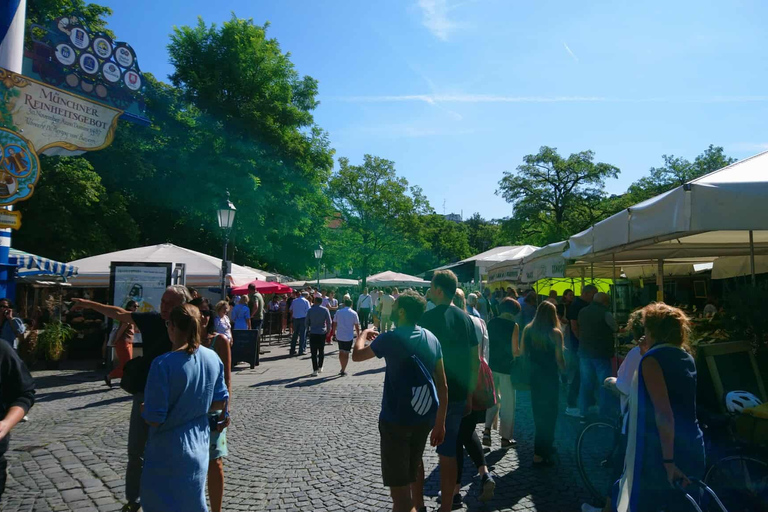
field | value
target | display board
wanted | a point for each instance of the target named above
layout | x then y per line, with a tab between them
143	282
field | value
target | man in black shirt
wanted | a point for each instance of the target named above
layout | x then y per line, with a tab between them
572	348
155	342
17	394
456	333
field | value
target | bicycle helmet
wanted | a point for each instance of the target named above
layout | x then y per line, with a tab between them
737	401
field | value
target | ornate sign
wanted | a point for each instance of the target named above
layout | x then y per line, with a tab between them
52	118
10	219
66	55
19	168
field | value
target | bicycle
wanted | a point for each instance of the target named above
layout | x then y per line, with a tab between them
737	471
600	456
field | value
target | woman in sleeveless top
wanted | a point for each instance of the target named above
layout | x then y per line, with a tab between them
665	445
218	448
543	345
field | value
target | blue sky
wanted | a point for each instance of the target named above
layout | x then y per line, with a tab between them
458	91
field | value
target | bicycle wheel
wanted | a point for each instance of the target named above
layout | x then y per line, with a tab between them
596	458
741	483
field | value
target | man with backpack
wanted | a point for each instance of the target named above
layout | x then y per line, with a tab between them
415	399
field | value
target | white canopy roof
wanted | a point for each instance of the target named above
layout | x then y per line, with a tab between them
202	270
709	216
390	278
335	282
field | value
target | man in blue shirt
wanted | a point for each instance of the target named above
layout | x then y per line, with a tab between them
402	440
299	308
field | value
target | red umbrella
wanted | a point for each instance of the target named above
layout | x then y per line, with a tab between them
263	287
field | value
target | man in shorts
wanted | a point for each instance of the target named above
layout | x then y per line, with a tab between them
346	325
458	341
403	440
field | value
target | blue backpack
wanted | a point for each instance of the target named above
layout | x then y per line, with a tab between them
415	381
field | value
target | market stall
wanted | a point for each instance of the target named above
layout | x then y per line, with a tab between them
389	278
476	268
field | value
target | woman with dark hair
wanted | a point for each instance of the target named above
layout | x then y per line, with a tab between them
123	345
503	347
543	346
665	445
217	342
183	387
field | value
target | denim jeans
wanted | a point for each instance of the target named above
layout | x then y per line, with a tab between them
593	372
3	462
299	331
572	371
138	431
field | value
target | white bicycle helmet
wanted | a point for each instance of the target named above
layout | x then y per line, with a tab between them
737	401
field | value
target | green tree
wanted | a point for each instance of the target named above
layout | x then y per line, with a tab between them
94	16
379	211
71	214
483	234
553	196
677	171
437	241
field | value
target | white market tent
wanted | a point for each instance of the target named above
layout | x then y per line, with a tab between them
335	282
479	265
710	216
202	270
389	278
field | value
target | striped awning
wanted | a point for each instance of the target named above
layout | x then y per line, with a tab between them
28	265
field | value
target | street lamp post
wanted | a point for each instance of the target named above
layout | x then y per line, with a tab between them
318	257
226	217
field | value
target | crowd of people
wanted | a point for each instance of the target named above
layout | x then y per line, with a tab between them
453	361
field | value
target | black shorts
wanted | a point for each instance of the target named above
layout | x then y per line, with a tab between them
401	450
345	346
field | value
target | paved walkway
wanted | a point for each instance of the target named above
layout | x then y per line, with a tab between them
296	443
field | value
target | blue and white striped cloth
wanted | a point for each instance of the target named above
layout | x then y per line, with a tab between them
32	265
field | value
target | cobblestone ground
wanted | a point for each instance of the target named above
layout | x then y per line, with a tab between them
296	443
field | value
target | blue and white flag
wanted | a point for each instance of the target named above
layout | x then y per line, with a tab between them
12	16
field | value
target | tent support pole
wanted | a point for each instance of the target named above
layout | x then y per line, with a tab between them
592	272
613	299
583	274
752	257
660	282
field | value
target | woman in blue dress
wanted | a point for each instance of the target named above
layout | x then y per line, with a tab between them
182	387
665	445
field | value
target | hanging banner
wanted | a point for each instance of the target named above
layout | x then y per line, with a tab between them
10	219
53	118
19	169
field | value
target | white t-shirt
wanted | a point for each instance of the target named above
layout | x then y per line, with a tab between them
386	302
364	301
345	320
624	377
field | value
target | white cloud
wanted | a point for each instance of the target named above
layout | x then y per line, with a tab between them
435	17
570	52
747	146
434	99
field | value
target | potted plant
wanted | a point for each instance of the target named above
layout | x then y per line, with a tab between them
52	341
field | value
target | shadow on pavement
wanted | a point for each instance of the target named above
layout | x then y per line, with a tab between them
314	382
57	395
277	382
372	371
109	401
57	381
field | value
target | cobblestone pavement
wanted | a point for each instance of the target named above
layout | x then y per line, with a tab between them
296	443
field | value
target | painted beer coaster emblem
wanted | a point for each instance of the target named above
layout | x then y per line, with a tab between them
65	54
19	168
102	47
124	56
111	72
132	80
79	38
89	64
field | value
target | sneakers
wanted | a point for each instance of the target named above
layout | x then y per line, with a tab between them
130	507
314	374
342	373
573	412
320	370
489	485
508	443
586	507
487	438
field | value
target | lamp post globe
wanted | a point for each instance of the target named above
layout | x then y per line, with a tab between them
226	218
318	257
